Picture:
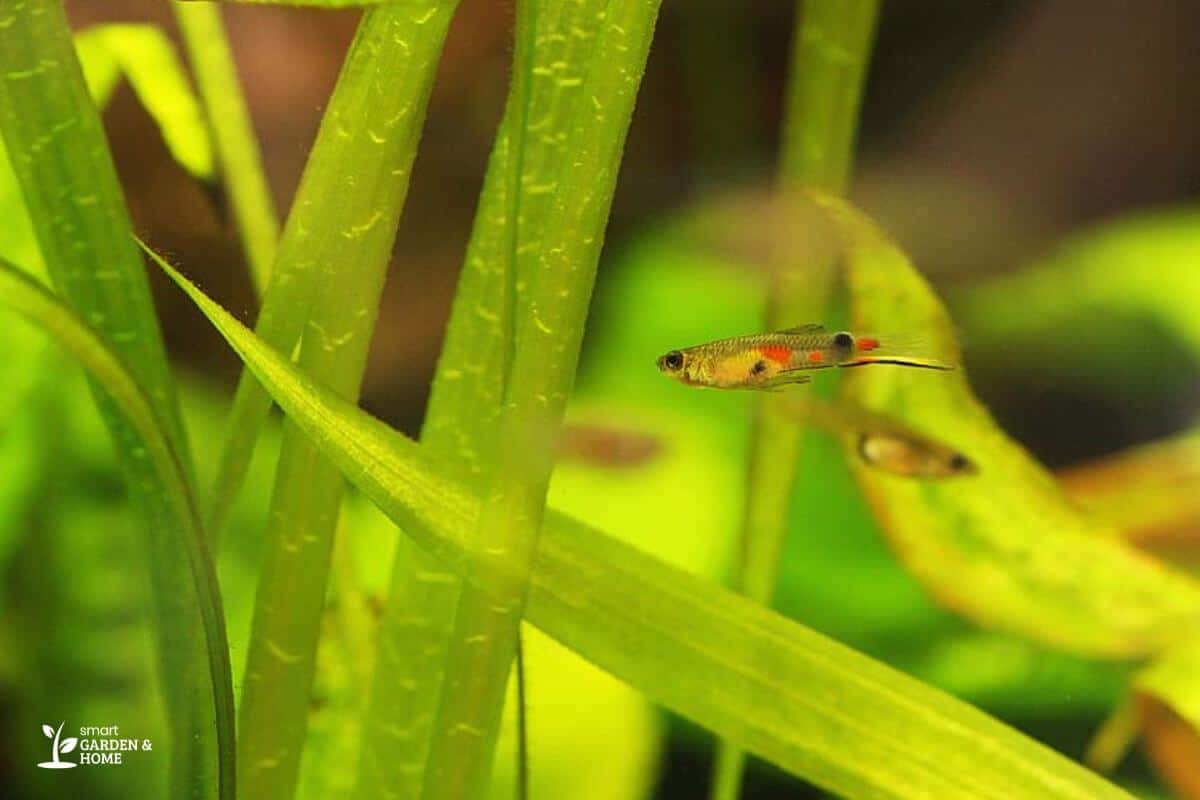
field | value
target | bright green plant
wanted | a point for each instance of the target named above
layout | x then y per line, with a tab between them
327	280
414	699
788	695
55	142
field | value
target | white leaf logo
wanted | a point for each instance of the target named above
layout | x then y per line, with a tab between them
58	748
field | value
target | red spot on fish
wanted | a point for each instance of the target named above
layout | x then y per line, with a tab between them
778	353
867	345
816	357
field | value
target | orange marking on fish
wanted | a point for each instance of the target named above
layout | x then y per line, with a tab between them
778	353
868	344
816	357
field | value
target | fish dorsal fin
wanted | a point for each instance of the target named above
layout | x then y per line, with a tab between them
809	327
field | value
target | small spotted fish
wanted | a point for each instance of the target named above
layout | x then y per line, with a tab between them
773	360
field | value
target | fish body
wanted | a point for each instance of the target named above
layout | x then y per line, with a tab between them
882	441
773	360
911	456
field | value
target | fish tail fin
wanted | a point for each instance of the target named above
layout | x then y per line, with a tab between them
901	361
897	349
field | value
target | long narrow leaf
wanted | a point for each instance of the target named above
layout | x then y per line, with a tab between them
20	293
781	691
358	173
237	149
556	273
146	57
56	143
467	389
831	47
484	636
26	364
348	188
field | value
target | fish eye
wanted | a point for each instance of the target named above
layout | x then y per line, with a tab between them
673	360
959	462
843	340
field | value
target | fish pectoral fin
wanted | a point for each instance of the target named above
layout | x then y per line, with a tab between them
785	378
808	327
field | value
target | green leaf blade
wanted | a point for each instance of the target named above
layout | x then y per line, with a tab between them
775	688
236	147
75	201
464	404
555	249
56	144
146	58
176	514
307	258
332	264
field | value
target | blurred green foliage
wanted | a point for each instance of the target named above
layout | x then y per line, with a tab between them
68	188
838	573
1114	308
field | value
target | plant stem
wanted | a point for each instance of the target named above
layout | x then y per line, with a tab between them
339	241
233	132
522	723
830	51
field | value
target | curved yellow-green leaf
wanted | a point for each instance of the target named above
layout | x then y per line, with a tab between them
779	690
1167	694
147	59
20	293
1150	493
1005	547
